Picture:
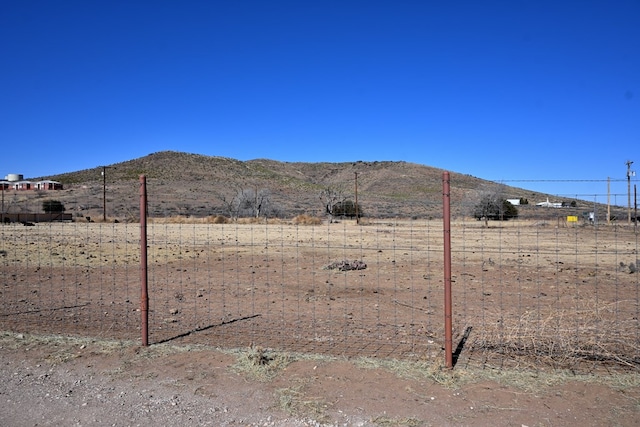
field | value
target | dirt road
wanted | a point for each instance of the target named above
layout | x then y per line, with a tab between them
53	381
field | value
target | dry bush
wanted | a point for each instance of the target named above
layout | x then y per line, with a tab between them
262	220
218	219
250	220
182	219
305	219
179	219
566	338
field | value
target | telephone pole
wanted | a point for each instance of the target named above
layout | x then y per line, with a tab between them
630	173
608	200
104	192
357	213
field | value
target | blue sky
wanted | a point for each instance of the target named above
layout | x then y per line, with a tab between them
502	90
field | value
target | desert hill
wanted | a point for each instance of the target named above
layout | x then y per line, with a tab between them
197	185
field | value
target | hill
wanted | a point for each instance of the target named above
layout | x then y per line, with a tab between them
197	185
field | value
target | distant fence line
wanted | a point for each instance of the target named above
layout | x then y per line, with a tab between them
541	291
35	217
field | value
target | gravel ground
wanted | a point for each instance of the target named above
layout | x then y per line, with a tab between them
81	382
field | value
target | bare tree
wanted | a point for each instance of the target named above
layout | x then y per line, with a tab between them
330	197
490	203
253	202
229	204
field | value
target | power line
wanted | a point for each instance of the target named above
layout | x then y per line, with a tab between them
558	180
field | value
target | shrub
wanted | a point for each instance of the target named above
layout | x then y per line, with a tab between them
305	219
346	208
218	219
494	208
53	206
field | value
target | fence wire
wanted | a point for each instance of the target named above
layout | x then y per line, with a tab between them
535	291
337	288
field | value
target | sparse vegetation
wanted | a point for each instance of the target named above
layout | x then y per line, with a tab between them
200	186
347	209
53	206
493	207
261	364
305	219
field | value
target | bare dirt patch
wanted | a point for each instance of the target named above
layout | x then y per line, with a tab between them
62	381
249	327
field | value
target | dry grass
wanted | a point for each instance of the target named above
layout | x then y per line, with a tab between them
384	421
215	219
565	339
264	365
433	371
587	326
293	401
305	219
182	219
261	364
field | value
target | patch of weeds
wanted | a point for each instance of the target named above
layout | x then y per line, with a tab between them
397	422
539	381
261	364
433	371
295	403
61	356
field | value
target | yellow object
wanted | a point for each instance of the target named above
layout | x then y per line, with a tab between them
572	218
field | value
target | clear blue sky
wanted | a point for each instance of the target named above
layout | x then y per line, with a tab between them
502	90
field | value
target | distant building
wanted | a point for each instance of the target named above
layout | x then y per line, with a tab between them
549	204
47	184
16	181
21	185
514	202
13	177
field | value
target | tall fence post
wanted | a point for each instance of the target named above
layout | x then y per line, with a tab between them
144	296
446	219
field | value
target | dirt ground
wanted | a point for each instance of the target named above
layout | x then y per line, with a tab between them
52	381
249	327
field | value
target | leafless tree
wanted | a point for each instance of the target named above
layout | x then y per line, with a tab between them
330	196
253	202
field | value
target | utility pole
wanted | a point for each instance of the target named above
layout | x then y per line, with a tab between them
2	202
608	200
104	193
357	215
630	173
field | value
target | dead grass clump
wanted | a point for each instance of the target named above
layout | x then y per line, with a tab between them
305	219
261	220
566	339
384	421
294	402
179	219
261	364
434	371
218	219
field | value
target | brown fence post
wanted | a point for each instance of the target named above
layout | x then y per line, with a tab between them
144	296
448	329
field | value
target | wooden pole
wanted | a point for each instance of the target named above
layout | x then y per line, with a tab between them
448	323
144	295
357	213
608	200
104	194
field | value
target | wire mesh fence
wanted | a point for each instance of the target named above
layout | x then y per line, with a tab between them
542	289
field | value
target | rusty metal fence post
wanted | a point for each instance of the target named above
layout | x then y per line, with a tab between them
446	219
144	296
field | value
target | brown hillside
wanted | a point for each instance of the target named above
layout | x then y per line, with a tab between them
198	185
